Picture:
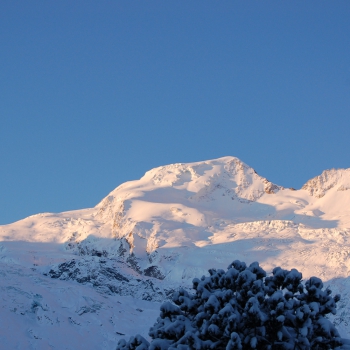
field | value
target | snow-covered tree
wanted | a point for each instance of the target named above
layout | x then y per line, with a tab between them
243	309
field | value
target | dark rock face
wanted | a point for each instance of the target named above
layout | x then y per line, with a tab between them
153	271
84	250
133	263
106	275
112	274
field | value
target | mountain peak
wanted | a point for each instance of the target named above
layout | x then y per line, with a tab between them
221	180
228	172
338	179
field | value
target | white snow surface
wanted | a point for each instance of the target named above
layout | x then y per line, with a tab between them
158	233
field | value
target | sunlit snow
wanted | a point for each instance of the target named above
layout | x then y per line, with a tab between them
160	232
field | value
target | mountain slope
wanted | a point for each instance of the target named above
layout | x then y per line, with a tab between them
150	235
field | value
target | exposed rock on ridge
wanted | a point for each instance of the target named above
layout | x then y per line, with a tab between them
321	184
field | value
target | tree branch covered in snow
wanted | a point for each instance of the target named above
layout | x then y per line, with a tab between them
243	309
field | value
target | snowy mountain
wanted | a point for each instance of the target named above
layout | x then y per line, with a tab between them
101	272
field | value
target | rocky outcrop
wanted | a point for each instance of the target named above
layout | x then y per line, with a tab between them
107	277
321	184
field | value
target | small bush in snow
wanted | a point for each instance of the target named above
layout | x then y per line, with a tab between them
243	309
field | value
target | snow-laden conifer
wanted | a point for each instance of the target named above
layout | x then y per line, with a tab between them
243	309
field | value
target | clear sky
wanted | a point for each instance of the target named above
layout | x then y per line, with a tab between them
95	93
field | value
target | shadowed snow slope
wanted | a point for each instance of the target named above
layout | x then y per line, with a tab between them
150	235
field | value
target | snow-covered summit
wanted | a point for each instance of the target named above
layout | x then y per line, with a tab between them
205	180
175	204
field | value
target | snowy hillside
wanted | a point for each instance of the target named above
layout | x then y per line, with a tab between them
79	270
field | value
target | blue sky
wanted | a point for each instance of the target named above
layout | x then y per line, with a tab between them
94	94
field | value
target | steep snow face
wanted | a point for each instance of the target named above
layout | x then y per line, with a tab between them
197	182
211	179
176	203
150	235
319	186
